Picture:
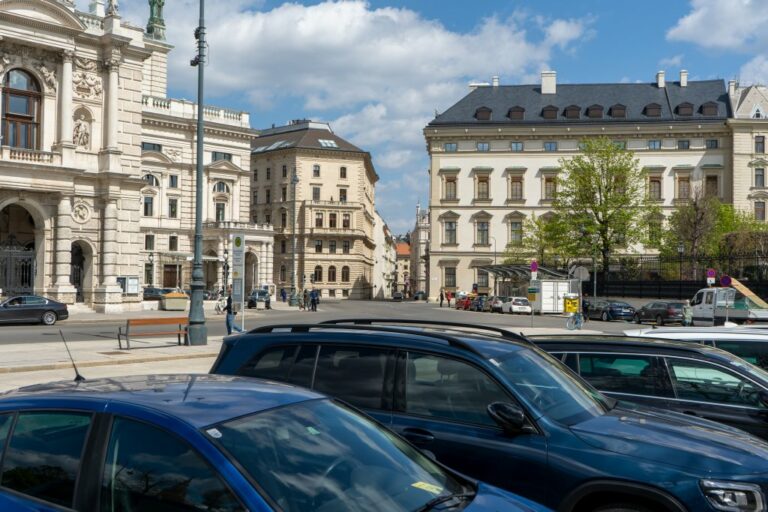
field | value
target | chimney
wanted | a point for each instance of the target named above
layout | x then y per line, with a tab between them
495	81
660	79
732	84
683	78
548	82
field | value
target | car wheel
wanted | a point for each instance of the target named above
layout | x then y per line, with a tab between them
604	316
622	507
636	318
659	320
48	318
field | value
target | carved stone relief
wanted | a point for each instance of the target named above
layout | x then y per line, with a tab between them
81	213
86	83
81	133
173	153
43	61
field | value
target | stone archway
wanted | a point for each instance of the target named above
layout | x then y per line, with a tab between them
19	239
251	281
81	273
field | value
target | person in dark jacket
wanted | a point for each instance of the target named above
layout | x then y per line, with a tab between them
230	314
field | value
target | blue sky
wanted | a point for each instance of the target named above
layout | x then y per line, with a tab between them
378	70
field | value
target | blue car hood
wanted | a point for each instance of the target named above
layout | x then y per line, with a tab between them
492	499
675	439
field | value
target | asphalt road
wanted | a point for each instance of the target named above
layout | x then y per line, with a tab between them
75	330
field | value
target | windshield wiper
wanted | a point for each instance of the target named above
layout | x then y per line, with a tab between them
434	502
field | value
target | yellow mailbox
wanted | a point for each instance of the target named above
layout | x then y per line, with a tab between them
571	303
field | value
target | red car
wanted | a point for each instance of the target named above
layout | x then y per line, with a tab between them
464	303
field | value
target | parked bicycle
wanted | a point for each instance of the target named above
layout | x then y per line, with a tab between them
575	321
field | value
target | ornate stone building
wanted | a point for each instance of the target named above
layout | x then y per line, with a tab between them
88	135
385	259
420	252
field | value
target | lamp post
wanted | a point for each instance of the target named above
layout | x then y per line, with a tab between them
152	268
495	279
197	332
294	299
680	250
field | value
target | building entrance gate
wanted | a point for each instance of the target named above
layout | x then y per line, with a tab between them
17	267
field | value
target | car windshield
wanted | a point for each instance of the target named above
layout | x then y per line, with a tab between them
620	305
321	456
549	385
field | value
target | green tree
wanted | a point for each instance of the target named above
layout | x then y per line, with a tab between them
693	224
601	199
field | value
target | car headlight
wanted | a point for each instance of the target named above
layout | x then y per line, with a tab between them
733	497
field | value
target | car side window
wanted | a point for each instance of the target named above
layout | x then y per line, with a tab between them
705	382
756	352
16	301
150	469
708	297
33	301
5	426
43	456
353	374
448	389
292	363
697	299
633	374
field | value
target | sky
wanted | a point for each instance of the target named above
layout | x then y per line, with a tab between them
377	71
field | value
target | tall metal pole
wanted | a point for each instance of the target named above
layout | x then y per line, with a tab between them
197	330
294	182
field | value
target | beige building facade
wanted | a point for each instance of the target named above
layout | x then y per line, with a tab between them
327	211
495	158
750	129
420	252
384	259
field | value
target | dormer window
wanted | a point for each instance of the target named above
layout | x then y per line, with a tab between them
618	111
652	110
516	113
595	111
685	109
572	112
549	112
483	114
758	114
709	109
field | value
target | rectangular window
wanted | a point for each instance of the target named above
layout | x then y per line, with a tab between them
450	276
683	144
353	374
345	246
683	188
483	146
759	177
550	146
318	246
332	246
269	196
221	211
268	173
654	144
760	144
283	219
268	218
713	143
654	189
516	189
482	278
218	155
315	171
173	181
516	147
620	144
343	195
149	202
345	221
331	220
173	243
151	146
284	194
255	175
315	193
255	197
285	171
343	173
318	220
482	233
173	208
149	242
516	233
550	187
483	188
450	232
760	210
450	188
450	147
711	186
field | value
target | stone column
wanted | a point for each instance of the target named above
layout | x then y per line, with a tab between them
65	102
113	64
63	241
109	244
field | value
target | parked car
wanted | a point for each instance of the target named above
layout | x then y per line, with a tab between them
478	303
420	296
517	305
464	302
397	296
661	312
495	303
204	442
607	310
257	296
152	293
482	398
32	309
685	377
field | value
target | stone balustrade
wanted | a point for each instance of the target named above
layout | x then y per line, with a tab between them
188	110
29	156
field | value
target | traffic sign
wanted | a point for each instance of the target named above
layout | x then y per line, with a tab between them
533	289
711	272
534	266
710	281
725	280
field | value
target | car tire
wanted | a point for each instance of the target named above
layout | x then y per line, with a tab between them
622	507
604	316
48	318
636	318
659	320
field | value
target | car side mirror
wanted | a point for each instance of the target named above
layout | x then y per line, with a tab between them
510	417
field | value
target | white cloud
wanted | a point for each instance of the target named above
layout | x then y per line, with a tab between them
731	25
755	71
378	74
671	62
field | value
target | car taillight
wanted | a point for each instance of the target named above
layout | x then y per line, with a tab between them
671	311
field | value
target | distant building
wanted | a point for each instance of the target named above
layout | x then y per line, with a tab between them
402	282
420	252
385	259
328	211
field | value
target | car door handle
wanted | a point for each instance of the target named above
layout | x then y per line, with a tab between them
418	436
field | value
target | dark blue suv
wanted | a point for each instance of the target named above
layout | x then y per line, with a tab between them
492	405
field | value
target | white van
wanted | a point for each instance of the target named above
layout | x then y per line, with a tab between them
715	306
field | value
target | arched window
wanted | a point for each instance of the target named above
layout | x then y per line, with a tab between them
151	180
221	187
21	110
282	273
318	274
331	274
344	274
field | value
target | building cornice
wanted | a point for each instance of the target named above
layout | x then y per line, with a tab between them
190	125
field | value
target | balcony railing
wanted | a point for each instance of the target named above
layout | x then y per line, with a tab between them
188	110
30	156
338	204
235	225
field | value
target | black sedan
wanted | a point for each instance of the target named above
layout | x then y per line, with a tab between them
32	309
607	310
661	312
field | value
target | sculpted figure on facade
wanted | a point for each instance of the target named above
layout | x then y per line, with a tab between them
82	132
113	9
49	76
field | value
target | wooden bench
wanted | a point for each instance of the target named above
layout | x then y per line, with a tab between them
180	324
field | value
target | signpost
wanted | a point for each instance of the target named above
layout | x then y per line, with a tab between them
534	270
711	275
725	280
238	269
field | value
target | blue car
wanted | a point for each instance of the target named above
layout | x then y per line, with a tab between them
212	443
489	403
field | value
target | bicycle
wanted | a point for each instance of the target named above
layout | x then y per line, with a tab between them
221	305
575	321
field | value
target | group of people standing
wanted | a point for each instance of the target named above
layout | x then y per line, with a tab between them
445	296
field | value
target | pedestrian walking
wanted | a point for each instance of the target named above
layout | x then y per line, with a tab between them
313	299
283	295
230	314
300	300
449	296
687	313
307	305
267	301
442	297
585	307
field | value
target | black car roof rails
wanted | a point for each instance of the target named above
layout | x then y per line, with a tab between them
451	340
505	333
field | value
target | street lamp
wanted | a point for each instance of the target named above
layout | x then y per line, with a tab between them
680	250
294	299
152	268
225	268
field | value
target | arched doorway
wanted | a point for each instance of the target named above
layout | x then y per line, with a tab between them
81	266
251	272
17	251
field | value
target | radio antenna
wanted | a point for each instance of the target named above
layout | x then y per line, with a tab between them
78	377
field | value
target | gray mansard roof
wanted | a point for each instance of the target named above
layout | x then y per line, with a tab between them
635	97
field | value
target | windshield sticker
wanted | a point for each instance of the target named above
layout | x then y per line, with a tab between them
214	433
313	431
424	486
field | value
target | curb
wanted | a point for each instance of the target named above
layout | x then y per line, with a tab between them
104	362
